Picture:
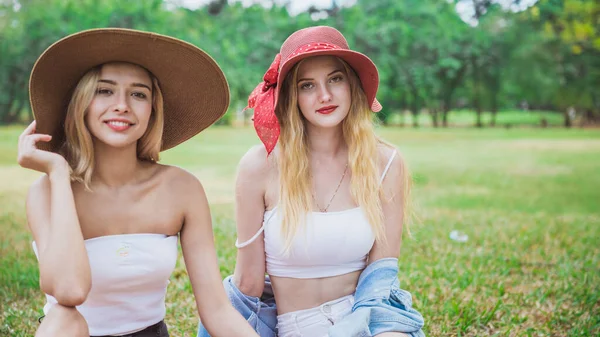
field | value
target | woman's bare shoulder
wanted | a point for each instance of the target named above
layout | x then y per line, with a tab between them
177	179
256	164
385	152
392	163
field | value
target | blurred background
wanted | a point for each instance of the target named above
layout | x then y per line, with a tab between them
495	106
442	63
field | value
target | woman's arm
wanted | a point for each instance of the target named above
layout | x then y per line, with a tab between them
52	217
249	275
216	312
393	202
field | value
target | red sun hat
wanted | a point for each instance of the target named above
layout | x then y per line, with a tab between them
304	43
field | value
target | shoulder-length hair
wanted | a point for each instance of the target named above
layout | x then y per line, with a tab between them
78	148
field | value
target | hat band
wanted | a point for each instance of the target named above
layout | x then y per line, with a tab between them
313	47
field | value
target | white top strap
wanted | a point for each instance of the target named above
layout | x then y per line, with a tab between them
387	167
253	238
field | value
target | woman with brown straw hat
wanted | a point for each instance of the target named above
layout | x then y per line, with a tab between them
106	216
322	205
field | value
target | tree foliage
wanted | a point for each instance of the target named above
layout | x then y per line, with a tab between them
429	59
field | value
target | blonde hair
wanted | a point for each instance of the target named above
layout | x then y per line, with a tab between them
78	148
295	197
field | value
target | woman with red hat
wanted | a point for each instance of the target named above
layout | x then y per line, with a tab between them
105	216
322	205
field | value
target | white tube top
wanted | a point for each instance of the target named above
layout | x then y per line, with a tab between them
130	274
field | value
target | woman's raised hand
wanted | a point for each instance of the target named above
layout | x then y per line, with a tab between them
31	157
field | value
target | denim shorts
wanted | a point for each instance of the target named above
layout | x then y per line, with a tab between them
314	322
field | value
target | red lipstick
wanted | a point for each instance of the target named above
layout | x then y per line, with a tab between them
327	110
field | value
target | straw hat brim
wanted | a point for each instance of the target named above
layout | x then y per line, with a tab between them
362	65
195	91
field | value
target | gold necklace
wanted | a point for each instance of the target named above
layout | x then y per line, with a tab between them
324	210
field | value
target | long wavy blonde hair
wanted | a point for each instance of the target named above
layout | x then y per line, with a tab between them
78	148
295	184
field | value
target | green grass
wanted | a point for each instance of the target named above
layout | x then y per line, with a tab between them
505	118
529	200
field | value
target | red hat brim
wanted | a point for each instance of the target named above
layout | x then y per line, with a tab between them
362	65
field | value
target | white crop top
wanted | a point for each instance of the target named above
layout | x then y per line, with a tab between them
331	244
130	274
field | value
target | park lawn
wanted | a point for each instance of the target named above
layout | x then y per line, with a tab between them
528	199
504	118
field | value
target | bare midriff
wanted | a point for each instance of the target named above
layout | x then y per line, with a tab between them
292	294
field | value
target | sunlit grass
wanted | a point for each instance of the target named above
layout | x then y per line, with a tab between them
504	118
529	200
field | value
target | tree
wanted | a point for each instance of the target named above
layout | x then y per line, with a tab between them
571	29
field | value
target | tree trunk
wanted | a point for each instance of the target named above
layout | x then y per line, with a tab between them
494	103
5	108
588	117
445	116
449	91
567	121
12	112
434	117
476	91
402	109
415	106
477	105
445	109
16	112
494	113
10	117
415	113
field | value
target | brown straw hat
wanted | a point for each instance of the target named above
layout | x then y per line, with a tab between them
195	90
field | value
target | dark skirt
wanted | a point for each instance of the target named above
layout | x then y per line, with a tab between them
157	330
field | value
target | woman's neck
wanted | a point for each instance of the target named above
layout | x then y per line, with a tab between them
115	167
327	142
